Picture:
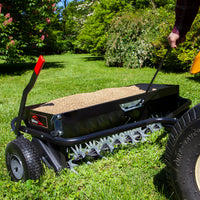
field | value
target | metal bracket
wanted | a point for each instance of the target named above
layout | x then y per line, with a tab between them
131	105
52	155
57	122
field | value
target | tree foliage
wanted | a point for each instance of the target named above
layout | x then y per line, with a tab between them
73	19
23	26
93	35
129	33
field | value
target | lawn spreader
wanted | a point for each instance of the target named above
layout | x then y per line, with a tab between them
71	129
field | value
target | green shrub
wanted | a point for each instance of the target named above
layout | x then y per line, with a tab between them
140	39
167	4
131	38
55	43
138	4
93	35
125	42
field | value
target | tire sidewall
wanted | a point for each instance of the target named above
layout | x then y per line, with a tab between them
13	150
185	155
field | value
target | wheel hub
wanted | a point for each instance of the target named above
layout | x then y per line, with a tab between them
197	172
16	167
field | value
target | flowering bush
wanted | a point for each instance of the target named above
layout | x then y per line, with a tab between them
130	40
23	26
141	40
93	35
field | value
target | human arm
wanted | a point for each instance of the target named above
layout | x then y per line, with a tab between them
186	11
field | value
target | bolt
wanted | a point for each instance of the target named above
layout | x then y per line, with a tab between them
60	133
59	117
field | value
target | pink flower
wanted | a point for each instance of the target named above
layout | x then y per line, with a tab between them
48	20
10	37
1	5
7	15
40	30
12	42
6	22
10	20
42	37
53	6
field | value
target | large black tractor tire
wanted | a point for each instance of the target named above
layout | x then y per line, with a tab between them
183	156
22	160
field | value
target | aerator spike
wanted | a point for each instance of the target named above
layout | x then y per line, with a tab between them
131	137
79	153
89	163
71	166
118	139
143	136
105	144
93	149
155	127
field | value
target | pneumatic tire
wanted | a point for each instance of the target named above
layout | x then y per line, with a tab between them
183	156
22	160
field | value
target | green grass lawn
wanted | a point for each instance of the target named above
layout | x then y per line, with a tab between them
131	173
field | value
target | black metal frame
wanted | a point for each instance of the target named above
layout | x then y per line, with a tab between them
52	147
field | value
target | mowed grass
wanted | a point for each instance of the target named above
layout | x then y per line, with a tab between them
136	172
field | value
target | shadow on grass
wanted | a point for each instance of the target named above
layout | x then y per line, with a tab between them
162	185
194	78
93	58
18	69
161	180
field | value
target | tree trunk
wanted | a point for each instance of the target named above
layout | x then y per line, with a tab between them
65	3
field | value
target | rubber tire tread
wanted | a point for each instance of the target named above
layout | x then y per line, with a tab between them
29	157
183	135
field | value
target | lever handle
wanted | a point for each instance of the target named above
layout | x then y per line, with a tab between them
39	65
26	91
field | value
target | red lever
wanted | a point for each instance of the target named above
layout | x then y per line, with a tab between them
39	65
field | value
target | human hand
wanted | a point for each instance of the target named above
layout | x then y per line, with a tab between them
174	40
